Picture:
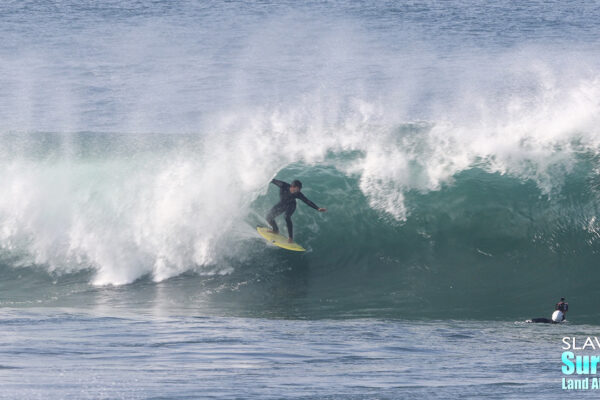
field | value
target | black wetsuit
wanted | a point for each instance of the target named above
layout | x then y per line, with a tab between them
542	321
287	205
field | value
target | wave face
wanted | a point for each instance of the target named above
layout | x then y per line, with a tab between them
455	146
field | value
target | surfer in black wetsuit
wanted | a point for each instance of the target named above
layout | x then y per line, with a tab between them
287	204
563	307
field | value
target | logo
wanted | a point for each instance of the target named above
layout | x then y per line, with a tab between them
580	363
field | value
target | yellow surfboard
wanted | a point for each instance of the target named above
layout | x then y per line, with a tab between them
279	240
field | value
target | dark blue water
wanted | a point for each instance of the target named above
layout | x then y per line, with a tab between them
66	353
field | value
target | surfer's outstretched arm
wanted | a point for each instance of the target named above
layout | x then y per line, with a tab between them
278	182
310	203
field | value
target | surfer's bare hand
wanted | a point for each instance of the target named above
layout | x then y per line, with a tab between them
322	209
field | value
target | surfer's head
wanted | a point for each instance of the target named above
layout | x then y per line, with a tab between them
562	299
296	186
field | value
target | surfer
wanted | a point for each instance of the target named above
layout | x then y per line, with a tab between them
563	307
558	316
288	193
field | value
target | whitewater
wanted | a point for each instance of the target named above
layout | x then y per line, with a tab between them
455	145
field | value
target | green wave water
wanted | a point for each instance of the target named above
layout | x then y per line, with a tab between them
454	144
485	245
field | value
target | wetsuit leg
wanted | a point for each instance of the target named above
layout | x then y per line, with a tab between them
542	320
275	211
288	220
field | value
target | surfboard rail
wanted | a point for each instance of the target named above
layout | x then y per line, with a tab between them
278	240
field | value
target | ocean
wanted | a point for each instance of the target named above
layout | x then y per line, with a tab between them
455	145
